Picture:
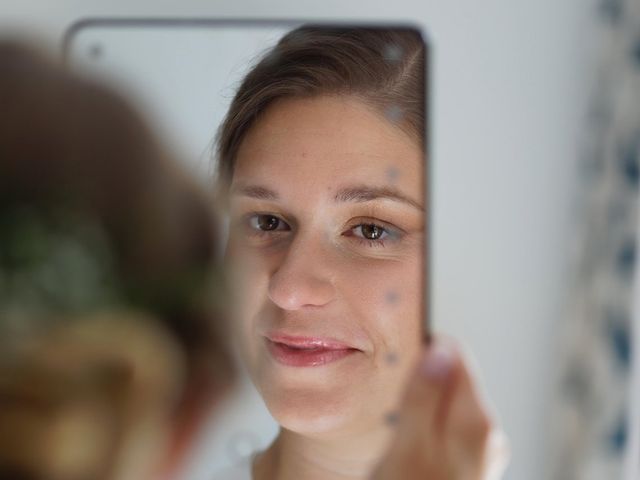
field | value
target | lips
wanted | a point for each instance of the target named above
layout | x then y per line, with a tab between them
298	351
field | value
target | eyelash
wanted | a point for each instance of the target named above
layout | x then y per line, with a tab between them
363	241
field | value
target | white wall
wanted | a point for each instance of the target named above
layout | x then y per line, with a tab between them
509	80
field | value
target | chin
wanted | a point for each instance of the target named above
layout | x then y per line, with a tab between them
312	413
313	425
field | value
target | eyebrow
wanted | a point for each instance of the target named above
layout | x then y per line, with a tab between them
355	194
365	193
254	191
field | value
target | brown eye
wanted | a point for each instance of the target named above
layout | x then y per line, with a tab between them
265	223
372	234
371	231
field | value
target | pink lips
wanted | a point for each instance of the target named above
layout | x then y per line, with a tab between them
306	351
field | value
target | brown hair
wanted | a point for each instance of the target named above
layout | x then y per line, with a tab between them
385	67
72	149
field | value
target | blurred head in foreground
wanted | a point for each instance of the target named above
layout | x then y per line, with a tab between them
111	336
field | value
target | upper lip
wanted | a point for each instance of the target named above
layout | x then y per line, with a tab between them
305	341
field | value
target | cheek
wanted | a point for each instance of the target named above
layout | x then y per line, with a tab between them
387	299
249	283
247	270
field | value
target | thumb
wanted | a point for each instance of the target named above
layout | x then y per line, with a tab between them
428	395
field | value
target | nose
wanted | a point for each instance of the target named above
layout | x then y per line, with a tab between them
303	278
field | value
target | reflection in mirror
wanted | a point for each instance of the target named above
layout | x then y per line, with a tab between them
321	163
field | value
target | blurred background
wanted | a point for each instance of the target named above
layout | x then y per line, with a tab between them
512	88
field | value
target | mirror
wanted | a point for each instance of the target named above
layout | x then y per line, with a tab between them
314	139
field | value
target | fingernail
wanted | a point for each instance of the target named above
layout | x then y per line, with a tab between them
437	362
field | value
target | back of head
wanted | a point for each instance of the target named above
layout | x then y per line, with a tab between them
110	286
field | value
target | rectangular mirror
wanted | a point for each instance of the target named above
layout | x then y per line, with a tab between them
314	138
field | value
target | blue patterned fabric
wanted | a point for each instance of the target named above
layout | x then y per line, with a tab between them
594	411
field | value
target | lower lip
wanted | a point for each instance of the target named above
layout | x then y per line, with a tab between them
298	357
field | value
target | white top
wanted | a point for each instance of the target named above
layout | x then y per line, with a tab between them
239	471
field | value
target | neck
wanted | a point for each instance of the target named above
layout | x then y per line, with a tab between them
345	457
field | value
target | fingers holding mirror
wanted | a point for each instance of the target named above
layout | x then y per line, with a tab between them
445	430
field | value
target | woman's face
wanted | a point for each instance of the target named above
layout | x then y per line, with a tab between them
326	244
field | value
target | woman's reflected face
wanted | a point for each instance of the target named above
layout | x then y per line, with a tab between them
326	244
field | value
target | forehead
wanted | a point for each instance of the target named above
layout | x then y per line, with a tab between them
327	138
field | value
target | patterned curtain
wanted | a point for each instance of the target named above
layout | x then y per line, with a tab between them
594	412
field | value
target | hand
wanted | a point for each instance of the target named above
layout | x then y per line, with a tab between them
444	430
